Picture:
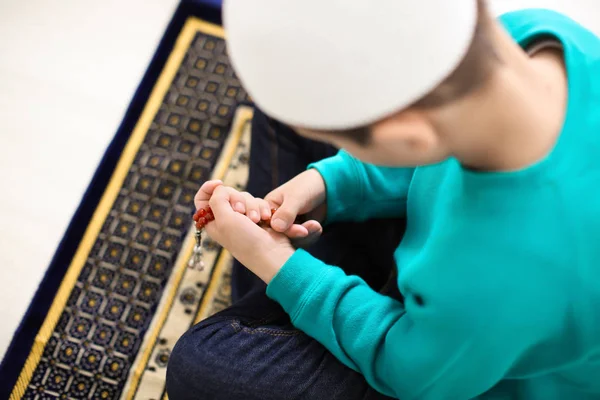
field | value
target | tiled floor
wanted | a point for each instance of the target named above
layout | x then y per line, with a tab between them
68	69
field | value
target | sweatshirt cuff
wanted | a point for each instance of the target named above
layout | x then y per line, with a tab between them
342	183
296	281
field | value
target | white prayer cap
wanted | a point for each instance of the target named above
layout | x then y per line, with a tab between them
339	64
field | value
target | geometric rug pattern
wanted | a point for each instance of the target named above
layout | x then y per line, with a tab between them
128	295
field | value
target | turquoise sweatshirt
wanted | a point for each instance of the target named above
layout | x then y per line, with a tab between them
500	271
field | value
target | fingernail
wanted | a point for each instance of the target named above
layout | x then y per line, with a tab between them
253	215
239	206
279	224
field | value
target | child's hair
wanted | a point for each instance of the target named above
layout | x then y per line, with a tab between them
473	71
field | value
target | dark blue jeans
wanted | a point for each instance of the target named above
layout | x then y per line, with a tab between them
251	350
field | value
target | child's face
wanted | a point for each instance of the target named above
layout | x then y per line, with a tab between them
405	139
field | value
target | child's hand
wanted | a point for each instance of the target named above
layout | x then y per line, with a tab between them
263	251
303	195
258	209
243	202
206	190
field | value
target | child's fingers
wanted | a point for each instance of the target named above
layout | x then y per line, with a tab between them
286	213
313	227
238	201
243	202
252	207
296	231
206	190
309	228
265	209
314	233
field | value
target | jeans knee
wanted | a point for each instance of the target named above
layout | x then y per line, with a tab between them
193	357
226	357
178	368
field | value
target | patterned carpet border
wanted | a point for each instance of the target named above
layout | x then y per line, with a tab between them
121	249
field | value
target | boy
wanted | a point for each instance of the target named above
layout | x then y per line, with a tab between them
497	125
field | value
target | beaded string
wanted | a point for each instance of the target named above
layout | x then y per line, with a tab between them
202	217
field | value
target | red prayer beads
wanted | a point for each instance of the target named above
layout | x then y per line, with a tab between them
199	214
205	215
202	216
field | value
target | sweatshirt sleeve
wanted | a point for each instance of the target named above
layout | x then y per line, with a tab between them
358	191
454	349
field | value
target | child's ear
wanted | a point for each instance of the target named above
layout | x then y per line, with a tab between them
409	129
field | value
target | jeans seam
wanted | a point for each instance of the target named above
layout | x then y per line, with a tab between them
269	331
236	326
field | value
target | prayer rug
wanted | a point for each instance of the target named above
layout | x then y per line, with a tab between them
124	295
